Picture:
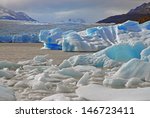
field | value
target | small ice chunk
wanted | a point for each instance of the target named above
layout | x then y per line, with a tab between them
6	94
65	88
114	83
85	68
44	77
21	84
70	72
98	73
9	65
38	85
84	80
56	97
65	64
7	74
40	58
134	68
145	53
134	82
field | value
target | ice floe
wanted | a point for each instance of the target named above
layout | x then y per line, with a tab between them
101	93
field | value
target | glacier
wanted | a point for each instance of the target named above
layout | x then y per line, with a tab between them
22	38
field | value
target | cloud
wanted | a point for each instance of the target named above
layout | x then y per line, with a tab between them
52	10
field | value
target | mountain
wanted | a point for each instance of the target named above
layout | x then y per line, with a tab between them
7	14
140	14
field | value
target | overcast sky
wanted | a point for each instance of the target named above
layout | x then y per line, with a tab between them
57	10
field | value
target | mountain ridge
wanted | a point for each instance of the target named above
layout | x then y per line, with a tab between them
140	14
7	14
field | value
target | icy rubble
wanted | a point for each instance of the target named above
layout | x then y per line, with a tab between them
39	79
96	38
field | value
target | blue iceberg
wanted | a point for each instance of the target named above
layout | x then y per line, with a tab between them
110	56
131	26
96	38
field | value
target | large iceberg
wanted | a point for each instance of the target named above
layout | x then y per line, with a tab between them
53	39
109	56
95	38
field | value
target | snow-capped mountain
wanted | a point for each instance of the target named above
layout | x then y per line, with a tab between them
7	14
140	14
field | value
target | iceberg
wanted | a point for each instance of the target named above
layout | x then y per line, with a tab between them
130	26
50	38
74	42
134	68
145	54
95	38
109	56
146	25
125	52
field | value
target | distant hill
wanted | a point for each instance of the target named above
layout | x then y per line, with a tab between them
7	14
140	14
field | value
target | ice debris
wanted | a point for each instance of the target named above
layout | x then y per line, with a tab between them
6	94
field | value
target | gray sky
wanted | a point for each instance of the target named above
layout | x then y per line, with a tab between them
57	10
